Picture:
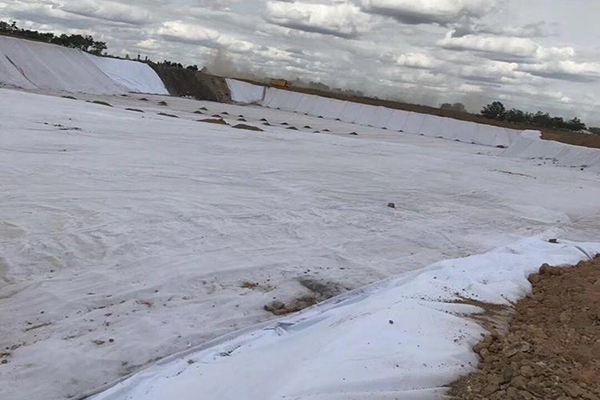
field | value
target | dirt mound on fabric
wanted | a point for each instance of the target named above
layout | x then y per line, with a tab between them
214	121
168	115
102	103
248	127
552	348
201	86
318	291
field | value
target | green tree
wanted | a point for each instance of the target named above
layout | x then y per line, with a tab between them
496	111
575	124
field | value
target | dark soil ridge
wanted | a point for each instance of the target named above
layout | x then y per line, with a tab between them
551	350
184	82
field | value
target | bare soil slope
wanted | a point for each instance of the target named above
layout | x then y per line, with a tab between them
201	86
552	349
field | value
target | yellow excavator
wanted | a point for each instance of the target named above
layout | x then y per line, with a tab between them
281	83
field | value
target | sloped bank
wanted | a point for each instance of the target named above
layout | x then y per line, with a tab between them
518	144
198	85
551	350
530	146
373	116
33	65
407	337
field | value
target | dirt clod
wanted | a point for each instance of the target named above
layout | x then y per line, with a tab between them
552	348
248	127
219	121
102	103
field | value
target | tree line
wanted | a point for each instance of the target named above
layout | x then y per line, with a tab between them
498	112
85	43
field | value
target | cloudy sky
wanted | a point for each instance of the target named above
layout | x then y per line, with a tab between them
530	54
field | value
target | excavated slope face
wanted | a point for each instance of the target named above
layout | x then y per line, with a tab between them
201	86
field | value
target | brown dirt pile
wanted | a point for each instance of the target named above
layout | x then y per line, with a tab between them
248	127
201	86
552	348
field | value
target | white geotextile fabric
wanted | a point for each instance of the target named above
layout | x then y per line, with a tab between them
275	98
350	112
396	120
135	76
244	92
51	67
306	103
555	152
401	338
334	109
292	101
432	126
365	112
319	106
414	123
382	117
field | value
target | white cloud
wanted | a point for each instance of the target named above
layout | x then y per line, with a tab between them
188	33
442	12
416	60
512	46
565	70
109	10
341	19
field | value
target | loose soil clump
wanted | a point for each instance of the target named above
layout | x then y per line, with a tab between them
167	115
102	103
319	291
552	348
248	127
214	121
